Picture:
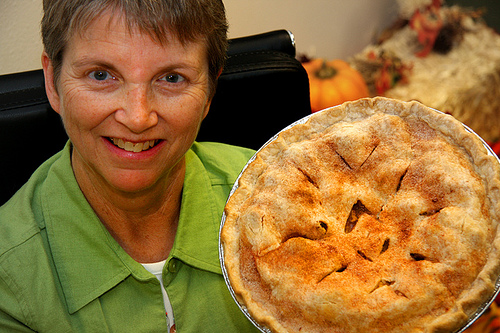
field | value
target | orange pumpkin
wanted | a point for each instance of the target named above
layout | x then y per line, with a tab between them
333	82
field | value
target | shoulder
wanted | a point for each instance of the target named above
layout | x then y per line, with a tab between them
22	252
221	160
21	217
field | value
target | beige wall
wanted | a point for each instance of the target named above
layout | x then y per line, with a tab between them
322	28
20	45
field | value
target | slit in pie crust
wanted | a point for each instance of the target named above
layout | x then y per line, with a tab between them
373	216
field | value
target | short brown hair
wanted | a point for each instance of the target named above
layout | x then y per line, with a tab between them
188	20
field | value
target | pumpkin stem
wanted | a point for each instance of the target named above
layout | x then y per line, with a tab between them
325	71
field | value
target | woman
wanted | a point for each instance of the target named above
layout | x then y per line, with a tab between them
131	196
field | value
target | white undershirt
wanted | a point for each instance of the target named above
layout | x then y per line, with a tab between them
156	269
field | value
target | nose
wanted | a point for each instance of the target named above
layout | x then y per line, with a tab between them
137	112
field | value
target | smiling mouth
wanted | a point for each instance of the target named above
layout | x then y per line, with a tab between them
133	147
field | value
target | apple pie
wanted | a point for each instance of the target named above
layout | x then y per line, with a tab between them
372	216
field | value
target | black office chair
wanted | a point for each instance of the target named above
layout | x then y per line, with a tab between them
262	89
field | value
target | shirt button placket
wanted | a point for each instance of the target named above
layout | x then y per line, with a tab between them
172	268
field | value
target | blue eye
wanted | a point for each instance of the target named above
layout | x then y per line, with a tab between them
100	75
173	78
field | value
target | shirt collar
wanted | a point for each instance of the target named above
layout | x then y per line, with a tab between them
89	261
198	231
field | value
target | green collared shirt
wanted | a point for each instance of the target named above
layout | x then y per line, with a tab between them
61	271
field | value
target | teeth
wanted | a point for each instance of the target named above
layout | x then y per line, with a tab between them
133	147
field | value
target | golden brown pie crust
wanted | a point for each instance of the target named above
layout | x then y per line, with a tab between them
373	216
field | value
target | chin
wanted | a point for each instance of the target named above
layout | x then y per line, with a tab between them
134	182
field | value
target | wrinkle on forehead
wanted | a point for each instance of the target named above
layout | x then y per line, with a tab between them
160	31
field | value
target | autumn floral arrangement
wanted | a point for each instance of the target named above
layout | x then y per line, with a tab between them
445	57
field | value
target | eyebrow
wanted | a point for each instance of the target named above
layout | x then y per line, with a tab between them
89	61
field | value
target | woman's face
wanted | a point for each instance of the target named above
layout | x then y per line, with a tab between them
131	106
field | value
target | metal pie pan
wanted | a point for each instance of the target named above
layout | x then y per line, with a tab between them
243	308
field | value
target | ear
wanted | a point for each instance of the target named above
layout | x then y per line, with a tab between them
50	88
207	107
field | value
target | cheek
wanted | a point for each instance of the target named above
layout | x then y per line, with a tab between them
186	113
82	111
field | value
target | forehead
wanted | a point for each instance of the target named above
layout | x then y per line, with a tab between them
110	33
157	27
114	22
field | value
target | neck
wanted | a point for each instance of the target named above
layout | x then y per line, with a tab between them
144	223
